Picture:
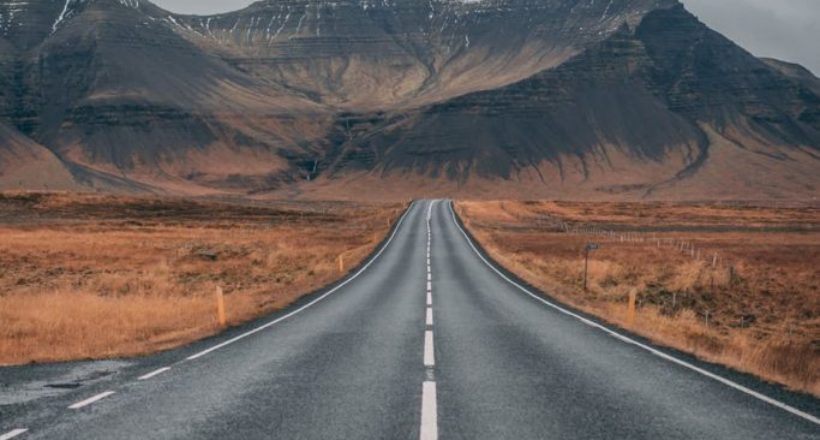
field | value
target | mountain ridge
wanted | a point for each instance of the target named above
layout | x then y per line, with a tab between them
294	97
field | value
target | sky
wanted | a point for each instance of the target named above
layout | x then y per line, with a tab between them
785	29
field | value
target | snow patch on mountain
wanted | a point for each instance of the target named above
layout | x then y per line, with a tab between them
70	8
8	12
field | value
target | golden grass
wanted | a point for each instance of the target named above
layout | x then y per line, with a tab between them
757	310
100	276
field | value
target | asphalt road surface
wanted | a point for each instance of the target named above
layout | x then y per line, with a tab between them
427	341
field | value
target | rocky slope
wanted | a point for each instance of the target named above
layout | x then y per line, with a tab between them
27	165
375	54
388	98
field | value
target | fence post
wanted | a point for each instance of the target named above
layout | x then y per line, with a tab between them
220	307
341	264
633	298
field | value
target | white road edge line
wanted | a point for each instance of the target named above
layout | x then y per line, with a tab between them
154	373
631	341
429	320
13	433
310	304
91	400
429	350
429	412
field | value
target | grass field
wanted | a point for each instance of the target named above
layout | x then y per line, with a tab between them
737	285
87	276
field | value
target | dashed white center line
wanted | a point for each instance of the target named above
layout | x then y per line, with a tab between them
429	350
429	406
154	373
13	433
429	412
91	400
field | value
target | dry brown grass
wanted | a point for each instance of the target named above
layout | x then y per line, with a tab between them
102	276
757	310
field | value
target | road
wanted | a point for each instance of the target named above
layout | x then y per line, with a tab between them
426	341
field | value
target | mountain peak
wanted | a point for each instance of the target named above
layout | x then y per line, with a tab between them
27	23
73	7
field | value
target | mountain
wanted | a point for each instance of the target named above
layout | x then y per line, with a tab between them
399	98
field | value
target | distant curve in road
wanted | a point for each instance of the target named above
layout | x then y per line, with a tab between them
428	340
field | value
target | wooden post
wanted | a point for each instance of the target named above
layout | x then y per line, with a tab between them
633	298
220	307
341	264
586	267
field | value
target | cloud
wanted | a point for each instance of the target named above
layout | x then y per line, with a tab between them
202	6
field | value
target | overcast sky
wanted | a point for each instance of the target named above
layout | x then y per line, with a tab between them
784	29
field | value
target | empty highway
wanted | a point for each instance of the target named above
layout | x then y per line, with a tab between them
427	340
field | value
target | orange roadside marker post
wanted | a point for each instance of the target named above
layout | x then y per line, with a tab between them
220	307
631	311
